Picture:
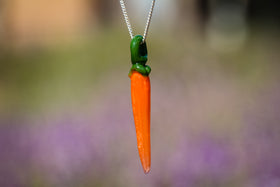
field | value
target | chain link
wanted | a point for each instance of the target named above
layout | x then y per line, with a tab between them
149	20
147	23
126	18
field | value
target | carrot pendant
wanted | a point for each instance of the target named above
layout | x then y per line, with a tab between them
141	99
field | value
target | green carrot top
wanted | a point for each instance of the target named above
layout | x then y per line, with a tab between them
139	56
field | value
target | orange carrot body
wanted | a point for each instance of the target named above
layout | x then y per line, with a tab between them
141	104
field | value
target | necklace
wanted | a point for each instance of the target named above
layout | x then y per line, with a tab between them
140	88
128	22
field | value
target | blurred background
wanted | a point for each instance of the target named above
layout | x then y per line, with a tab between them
65	109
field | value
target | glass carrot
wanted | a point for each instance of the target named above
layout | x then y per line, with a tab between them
141	99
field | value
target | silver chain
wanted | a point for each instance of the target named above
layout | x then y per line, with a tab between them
128	23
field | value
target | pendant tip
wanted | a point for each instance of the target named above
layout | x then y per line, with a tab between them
147	170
